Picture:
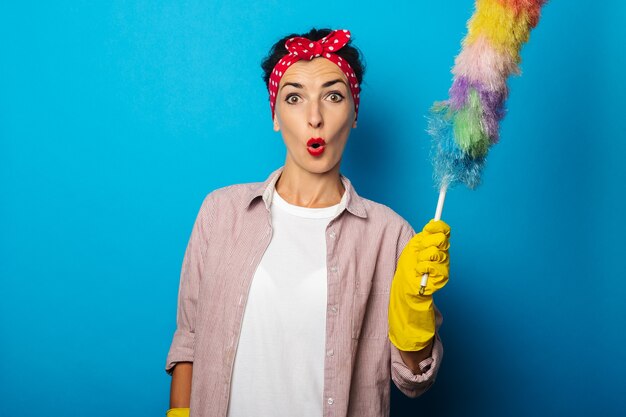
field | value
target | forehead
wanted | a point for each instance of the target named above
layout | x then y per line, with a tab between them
314	72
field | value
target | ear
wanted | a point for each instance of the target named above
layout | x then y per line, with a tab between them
276	125
354	123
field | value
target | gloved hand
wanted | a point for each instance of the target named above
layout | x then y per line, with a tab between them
411	315
177	412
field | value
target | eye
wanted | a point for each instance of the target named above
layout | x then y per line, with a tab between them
335	97
290	97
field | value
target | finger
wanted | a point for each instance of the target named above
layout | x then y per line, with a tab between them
432	254
436	278
436	283
438	240
434	269
437	226
433	284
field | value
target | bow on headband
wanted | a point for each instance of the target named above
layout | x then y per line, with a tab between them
303	48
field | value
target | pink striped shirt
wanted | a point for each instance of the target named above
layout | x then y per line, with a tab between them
230	234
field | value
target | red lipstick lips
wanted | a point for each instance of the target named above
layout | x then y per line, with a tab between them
316	146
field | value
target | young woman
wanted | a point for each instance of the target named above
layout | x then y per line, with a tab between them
297	296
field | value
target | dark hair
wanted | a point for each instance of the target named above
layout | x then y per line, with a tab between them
348	52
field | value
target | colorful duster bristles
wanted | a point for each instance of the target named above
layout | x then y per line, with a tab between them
466	125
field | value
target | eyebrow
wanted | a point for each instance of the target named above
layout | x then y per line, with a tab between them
326	84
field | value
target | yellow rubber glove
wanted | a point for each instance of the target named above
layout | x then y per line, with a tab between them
177	412
412	316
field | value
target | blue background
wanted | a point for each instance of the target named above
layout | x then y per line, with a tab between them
118	117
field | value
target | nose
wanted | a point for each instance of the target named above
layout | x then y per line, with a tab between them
315	115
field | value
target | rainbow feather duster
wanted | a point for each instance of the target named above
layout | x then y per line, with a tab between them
466	125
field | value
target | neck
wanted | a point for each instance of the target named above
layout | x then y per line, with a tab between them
308	189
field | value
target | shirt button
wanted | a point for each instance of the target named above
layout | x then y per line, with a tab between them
334	309
330	352
330	401
332	234
333	269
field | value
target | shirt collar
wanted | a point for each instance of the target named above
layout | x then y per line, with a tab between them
354	203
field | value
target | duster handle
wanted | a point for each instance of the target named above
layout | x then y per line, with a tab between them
442	198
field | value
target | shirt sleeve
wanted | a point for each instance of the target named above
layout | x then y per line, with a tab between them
182	346
414	385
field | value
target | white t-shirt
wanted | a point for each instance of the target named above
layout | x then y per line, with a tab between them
279	365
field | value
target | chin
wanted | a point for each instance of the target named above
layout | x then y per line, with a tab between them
321	165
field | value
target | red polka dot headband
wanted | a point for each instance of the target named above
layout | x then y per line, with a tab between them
303	48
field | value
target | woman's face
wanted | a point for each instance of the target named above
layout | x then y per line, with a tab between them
313	102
